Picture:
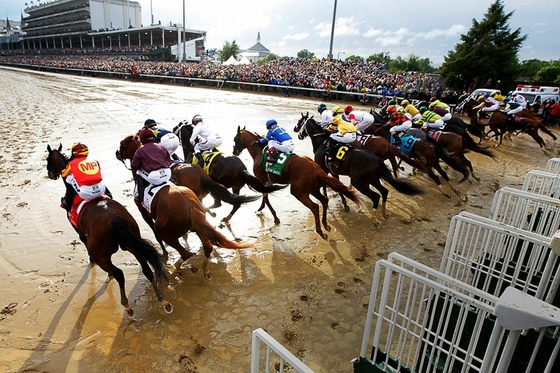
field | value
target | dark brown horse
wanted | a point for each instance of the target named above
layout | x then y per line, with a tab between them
194	177
103	226
499	124
304	176
376	144
230	171
364	168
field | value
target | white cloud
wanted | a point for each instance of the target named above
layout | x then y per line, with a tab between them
299	36
373	33
454	31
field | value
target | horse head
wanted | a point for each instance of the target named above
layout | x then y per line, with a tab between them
128	147
245	140
301	121
56	162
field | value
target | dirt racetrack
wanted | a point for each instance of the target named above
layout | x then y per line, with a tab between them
309	294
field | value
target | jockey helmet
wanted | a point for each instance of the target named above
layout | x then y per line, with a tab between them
510	93
507	99
149	123
391	108
486	95
423	109
271	123
404	102
348	109
493	94
480	98
146	135
79	149
321	107
337	110
391	102
197	118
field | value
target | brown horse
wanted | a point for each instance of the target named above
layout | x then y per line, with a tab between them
499	124
103	226
304	176
376	144
194	177
229	171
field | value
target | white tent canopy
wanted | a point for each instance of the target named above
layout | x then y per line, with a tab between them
231	61
244	61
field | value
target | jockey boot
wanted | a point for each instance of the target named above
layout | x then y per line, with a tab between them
175	157
108	193
328	147
141	188
272	155
63	202
199	159
396	138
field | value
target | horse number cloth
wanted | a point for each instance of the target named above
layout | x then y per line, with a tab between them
407	143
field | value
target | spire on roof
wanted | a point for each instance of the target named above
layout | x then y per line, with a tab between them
259	38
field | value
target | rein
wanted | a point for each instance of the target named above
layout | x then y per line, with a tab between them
120	157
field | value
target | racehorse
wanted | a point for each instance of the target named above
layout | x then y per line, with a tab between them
304	176
193	177
376	144
362	166
103	226
499	124
229	171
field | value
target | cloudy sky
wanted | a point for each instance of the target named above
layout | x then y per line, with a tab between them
363	27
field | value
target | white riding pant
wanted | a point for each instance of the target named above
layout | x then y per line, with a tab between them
284	147
447	117
208	144
170	142
157	177
401	127
517	110
366	121
438	124
347	138
491	108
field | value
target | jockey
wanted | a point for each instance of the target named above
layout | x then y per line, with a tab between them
82	177
487	104
207	139
512	107
441	109
151	162
342	130
520	99
326	115
168	139
430	120
278	139
395	103
411	110
361	119
399	122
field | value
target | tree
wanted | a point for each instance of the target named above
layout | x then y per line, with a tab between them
268	58
354	58
488	50
228	50
550	73
380	57
304	53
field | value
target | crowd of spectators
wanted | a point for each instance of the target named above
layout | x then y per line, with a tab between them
361	77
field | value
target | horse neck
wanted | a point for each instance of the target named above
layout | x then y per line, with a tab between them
252	145
317	134
185	136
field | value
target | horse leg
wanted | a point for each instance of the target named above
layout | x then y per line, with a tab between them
148	219
364	188
463	160
235	206
304	198
266	202
185	255
325	203
107	265
394	165
443	174
147	271
207	252
384	194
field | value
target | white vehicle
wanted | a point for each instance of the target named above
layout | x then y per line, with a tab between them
532	93
481	91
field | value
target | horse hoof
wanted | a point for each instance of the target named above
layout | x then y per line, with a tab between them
130	313
346	208
324	236
328	228
212	214
208	276
168	308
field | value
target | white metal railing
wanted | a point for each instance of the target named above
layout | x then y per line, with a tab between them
533	212
543	183
553	166
283	355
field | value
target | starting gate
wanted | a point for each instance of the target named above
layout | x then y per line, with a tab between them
553	166
543	183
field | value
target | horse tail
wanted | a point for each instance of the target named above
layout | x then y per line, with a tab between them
257	185
210	237
436	144
218	191
338	187
403	186
409	161
452	162
473	146
130	240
